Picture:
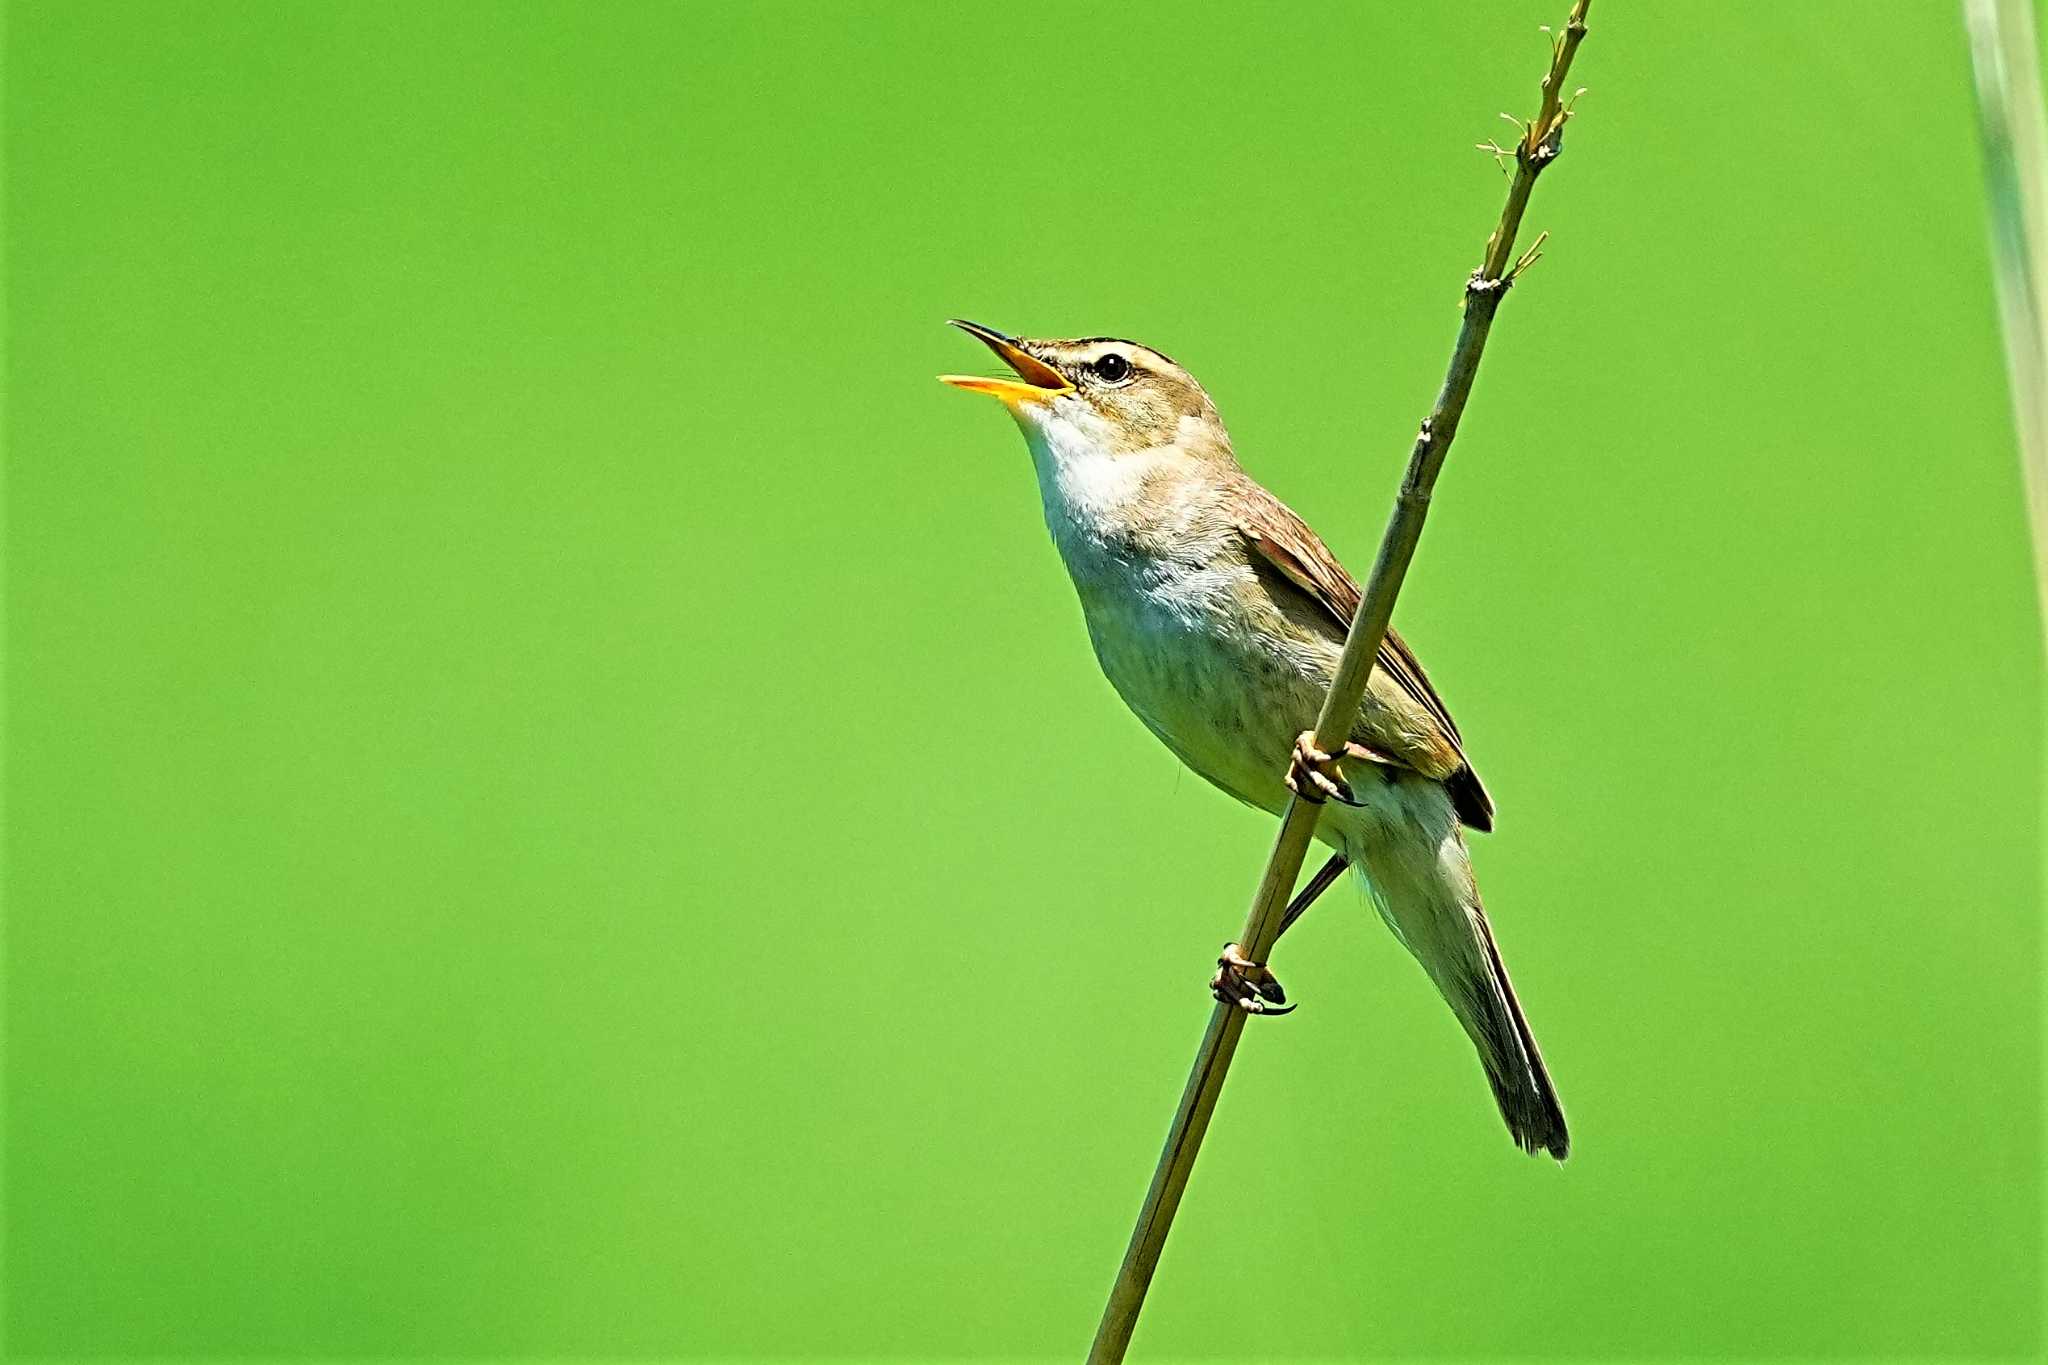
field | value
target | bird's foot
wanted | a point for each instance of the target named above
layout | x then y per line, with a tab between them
1315	776
1249	985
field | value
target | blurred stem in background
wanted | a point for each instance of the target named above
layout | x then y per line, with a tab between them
2005	53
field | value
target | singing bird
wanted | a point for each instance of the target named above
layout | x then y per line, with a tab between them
1218	616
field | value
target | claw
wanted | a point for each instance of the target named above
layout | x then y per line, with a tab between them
1314	775
1257	974
1249	985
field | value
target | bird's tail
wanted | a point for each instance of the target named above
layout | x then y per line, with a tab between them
1428	898
1514	1065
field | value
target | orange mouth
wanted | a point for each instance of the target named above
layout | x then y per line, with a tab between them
1040	381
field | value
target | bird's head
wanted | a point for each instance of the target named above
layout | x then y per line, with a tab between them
1099	395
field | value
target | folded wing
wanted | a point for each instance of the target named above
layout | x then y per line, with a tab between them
1285	542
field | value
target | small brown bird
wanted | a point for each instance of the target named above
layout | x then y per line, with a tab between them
1218	615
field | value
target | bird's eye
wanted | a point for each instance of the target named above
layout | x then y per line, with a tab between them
1113	368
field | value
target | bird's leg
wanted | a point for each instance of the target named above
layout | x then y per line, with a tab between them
1315	776
1326	876
1251	986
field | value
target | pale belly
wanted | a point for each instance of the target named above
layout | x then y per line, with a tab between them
1226	701
1230	706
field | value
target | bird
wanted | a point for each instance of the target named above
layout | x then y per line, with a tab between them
1218	616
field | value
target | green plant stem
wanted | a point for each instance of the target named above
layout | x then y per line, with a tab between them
2006	58
1541	143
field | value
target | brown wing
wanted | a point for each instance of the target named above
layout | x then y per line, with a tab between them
1285	541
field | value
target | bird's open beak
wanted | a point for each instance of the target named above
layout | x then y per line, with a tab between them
1040	380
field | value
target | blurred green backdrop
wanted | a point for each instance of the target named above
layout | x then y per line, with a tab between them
558	802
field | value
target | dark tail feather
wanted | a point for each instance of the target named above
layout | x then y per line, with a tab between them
1521	1083
1469	800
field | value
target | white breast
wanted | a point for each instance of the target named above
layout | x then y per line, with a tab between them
1169	627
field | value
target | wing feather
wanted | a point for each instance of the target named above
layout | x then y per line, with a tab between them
1284	541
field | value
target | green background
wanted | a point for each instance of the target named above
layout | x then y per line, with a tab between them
558	803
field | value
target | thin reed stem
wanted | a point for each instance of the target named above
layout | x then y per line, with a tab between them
1541	143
